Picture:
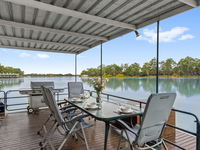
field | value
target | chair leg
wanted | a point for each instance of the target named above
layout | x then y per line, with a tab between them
47	135
48	140
164	145
85	139
118	146
44	124
131	147
67	136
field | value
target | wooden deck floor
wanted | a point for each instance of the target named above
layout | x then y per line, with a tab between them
18	131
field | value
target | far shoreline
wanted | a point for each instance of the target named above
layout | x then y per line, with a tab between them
84	76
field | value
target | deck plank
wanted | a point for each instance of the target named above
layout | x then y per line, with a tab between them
18	132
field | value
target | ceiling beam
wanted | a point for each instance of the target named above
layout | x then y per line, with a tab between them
50	30
36	49
42	42
192	3
73	13
163	16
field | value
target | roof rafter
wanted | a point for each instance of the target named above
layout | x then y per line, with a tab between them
36	49
43	42
164	16
73	13
192	3
46	29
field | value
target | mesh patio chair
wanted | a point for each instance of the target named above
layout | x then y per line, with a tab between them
149	134
70	127
65	110
75	89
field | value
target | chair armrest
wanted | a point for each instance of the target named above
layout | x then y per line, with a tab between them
60	103
125	126
66	107
77	118
67	110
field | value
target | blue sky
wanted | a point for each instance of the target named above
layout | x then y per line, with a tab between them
180	37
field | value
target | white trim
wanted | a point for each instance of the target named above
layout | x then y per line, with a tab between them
37	49
73	13
192	3
42	42
45	29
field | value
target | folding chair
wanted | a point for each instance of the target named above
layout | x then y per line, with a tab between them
64	110
149	134
75	89
70	127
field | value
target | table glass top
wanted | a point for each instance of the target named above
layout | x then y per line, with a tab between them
107	110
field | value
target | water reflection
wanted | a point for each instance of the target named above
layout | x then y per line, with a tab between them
10	82
186	87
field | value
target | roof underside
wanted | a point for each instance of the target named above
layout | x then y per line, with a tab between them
74	26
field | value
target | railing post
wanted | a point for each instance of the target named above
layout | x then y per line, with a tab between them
57	97
198	135
5	101
107	97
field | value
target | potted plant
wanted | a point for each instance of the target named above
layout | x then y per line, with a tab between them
99	86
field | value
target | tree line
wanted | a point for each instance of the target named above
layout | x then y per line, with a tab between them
187	66
6	69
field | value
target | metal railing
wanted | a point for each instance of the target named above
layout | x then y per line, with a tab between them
197	134
108	97
2	98
26	102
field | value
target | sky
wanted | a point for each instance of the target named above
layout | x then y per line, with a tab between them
179	38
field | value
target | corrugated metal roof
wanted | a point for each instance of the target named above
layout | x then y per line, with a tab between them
74	26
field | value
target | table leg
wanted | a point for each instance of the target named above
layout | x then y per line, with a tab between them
107	126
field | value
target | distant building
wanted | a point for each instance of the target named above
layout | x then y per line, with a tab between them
9	75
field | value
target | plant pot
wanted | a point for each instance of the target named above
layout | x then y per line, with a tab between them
98	99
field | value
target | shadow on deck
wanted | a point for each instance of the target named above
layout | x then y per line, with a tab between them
18	131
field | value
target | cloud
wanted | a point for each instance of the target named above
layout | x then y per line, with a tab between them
42	55
24	55
165	36
186	37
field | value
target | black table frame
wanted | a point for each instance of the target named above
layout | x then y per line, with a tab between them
106	120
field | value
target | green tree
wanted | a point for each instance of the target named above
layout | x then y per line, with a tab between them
186	66
133	70
149	68
113	69
167	67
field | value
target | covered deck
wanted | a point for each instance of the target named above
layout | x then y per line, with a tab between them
72	27
19	131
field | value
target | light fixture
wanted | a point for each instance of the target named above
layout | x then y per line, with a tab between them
137	33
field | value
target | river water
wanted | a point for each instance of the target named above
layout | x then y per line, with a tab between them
187	89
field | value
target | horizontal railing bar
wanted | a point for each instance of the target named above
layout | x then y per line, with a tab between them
188	113
16	109
172	126
17	97
17	104
121	97
174	144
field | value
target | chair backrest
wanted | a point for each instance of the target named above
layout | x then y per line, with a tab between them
37	85
48	94
44	96
75	89
155	116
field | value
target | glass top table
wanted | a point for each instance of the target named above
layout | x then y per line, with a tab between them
107	112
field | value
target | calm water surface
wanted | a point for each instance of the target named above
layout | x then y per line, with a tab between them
187	89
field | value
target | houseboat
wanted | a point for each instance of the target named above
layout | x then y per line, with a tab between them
73	27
